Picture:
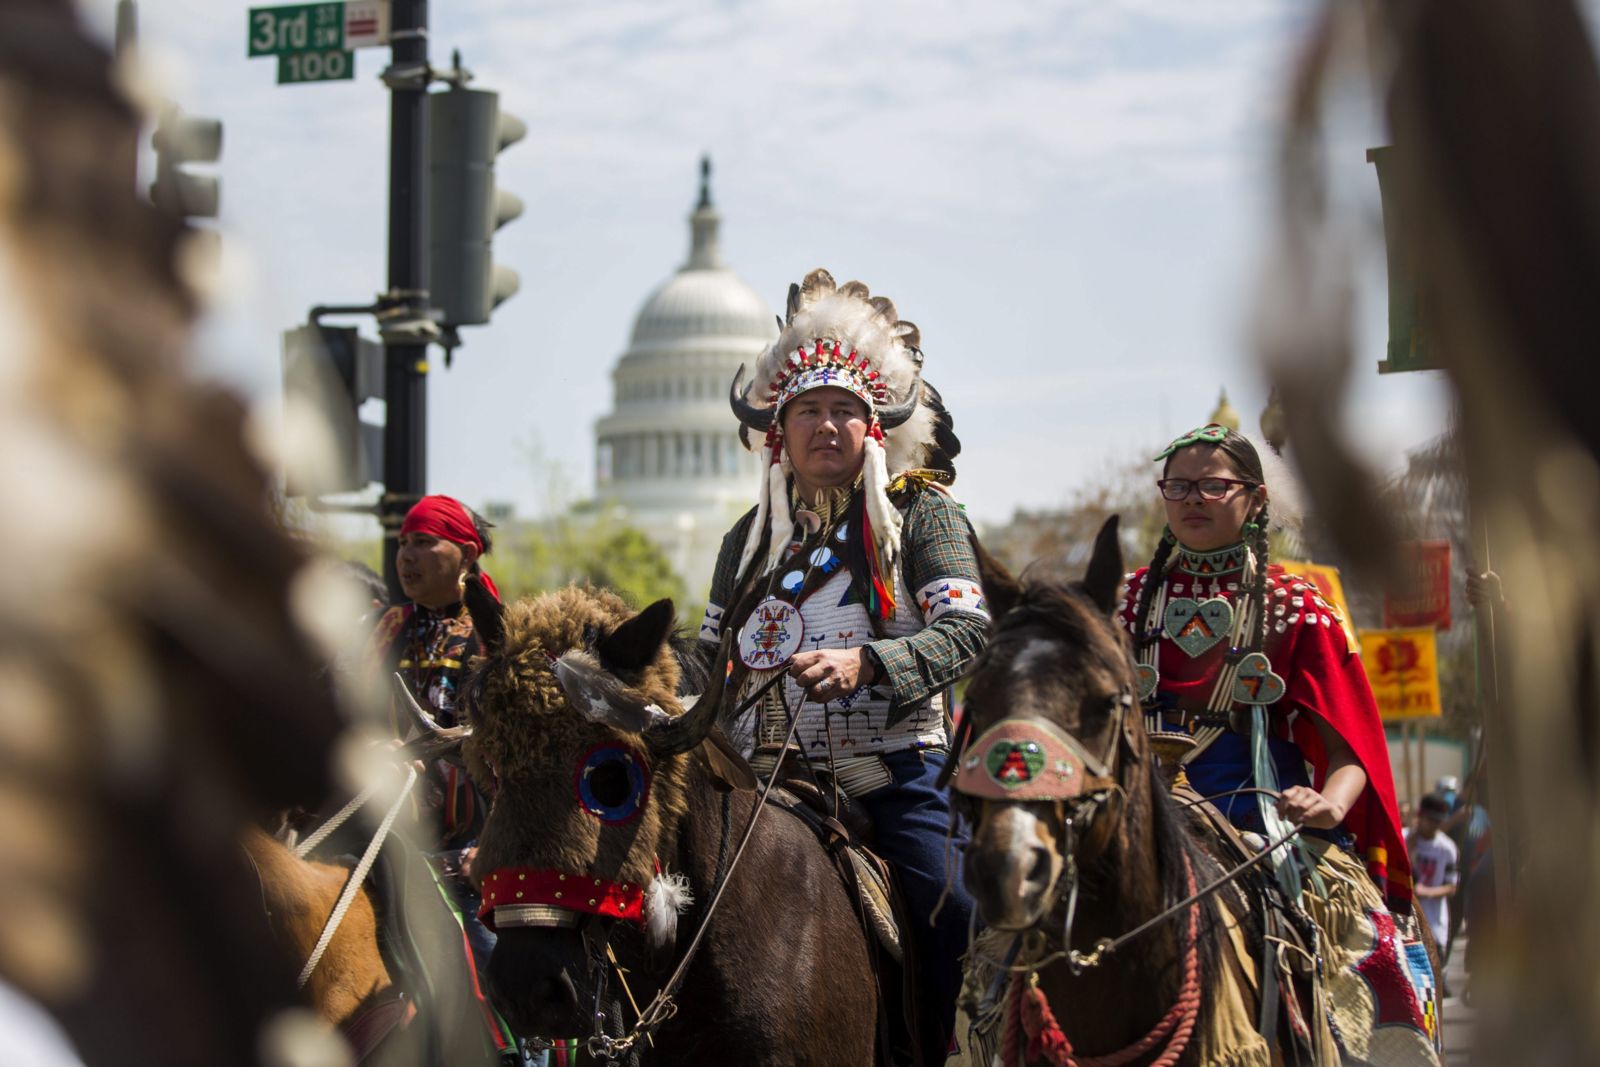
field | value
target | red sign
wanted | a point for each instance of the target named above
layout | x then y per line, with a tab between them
1425	598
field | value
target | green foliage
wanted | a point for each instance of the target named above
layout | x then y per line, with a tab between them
603	553
531	558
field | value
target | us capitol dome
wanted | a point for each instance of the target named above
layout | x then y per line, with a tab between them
667	457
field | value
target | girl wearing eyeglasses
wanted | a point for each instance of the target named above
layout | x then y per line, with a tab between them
1252	689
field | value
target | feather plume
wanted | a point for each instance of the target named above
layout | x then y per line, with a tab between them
668	897
753	538
782	520
885	517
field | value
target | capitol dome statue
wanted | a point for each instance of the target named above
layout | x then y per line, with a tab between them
668	455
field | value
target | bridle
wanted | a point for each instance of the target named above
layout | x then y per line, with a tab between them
621	902
1029	759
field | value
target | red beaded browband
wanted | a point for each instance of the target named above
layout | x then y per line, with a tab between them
850	372
526	896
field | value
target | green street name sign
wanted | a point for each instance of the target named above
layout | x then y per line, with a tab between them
276	31
330	66
338	26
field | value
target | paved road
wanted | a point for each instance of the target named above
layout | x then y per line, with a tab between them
1457	1016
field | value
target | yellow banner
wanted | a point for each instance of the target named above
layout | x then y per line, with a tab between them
1326	579
1403	667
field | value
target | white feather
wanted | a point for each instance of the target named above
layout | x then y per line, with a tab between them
782	518
886	518
753	537
668	897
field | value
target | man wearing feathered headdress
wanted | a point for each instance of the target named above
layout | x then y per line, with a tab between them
855	575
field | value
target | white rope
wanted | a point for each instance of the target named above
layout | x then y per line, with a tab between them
358	876
303	849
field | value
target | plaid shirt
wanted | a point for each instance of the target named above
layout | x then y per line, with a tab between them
935	550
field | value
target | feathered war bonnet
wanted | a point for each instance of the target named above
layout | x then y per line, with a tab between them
842	336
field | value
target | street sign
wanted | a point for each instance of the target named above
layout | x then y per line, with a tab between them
299	67
1403	667
366	24
1410	339
342	25
1424	597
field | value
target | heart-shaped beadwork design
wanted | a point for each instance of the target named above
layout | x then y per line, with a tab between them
1014	763
1147	677
1196	625
1255	683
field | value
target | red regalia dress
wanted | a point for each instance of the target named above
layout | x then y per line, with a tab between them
1375	985
1323	678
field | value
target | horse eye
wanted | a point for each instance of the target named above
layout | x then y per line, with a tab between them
609	782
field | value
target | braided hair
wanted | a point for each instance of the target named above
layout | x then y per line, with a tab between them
1152	579
1247	461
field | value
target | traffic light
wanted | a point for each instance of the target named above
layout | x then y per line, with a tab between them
328	373
179	141
466	130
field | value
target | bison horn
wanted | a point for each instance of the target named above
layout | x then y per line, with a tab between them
435	742
681	734
419	715
747	413
890	417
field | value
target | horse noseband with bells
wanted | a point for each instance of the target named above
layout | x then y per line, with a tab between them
1025	758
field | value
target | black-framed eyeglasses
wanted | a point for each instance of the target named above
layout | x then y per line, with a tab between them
1210	488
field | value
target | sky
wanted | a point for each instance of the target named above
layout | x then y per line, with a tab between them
1070	199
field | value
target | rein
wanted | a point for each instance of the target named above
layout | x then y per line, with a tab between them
662	1006
1031	1014
358	876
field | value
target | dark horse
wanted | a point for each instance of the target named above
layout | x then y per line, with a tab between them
1090	820
610	802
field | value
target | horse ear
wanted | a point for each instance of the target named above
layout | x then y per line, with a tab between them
1000	589
1104	576
635	644
488	615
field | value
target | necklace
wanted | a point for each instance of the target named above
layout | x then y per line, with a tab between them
1228	560
828	508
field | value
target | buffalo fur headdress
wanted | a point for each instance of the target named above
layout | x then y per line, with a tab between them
842	336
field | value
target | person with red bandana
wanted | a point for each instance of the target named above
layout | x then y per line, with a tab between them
429	641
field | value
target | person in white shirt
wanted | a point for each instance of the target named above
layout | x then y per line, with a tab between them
1433	865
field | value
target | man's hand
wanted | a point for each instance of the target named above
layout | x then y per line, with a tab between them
1302	804
1484	590
831	673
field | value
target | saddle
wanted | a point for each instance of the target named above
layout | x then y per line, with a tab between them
421	944
1286	974
846	837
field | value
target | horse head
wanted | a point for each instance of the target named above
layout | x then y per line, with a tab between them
579	731
1048	725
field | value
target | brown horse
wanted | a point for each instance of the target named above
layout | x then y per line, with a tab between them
604	786
1099	855
393	978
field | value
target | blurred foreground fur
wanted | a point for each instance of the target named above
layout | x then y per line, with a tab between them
158	695
1495	109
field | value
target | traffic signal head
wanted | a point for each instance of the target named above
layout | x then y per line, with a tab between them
466	130
328	373
180	140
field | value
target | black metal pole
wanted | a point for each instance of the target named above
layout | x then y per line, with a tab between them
405	433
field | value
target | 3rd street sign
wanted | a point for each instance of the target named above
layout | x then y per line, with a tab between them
328	27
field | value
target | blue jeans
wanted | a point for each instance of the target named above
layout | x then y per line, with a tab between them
911	820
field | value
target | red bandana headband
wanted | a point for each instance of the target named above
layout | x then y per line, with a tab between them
445	518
